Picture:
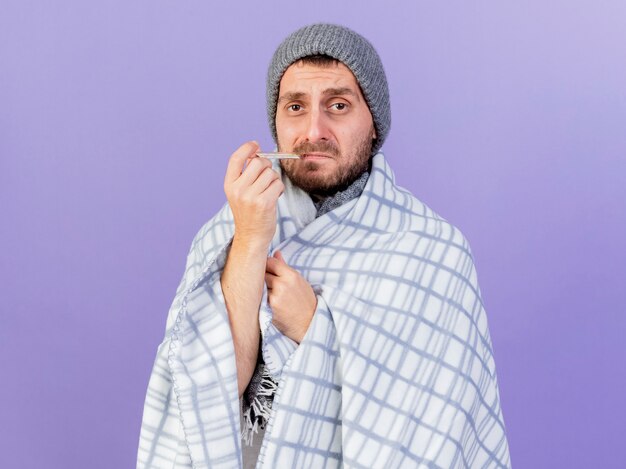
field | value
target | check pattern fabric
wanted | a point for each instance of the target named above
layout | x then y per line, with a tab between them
395	370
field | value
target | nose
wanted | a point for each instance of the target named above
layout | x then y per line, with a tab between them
317	126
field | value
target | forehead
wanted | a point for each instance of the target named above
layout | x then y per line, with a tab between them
307	78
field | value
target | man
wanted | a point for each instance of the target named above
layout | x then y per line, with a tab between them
325	315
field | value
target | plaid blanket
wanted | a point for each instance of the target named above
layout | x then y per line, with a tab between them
396	369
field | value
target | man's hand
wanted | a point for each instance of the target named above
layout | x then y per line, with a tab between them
252	195
291	297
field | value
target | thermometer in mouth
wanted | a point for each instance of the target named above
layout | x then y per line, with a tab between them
278	156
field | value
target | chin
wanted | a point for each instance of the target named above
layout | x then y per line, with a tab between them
311	165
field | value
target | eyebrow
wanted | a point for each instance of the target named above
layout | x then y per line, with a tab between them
292	96
340	92
298	95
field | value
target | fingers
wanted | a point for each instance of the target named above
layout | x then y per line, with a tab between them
263	181
238	160
271	266
258	174
275	189
277	267
254	169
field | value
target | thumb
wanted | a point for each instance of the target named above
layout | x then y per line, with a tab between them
279	255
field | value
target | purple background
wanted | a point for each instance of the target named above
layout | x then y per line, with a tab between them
116	122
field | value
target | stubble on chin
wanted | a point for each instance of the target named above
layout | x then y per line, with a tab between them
308	176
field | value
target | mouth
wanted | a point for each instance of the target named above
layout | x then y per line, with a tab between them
315	156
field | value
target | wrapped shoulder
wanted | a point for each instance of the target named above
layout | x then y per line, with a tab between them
209	240
205	246
422	221
404	212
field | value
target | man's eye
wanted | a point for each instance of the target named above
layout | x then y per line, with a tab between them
295	107
339	106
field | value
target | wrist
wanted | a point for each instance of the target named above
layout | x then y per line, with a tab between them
250	246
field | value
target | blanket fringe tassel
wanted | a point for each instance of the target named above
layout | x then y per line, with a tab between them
255	417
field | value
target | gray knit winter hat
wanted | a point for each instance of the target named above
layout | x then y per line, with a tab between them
350	48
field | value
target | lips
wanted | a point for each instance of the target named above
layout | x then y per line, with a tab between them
314	156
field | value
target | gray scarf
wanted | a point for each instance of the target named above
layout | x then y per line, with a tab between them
352	192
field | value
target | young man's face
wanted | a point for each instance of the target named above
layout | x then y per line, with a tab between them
322	115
